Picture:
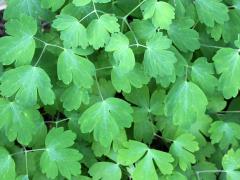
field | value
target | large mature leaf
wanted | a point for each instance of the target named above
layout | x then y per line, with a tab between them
106	119
17	121
231	164
58	157
76	69
19	46
54	5
203	75
7	165
185	103
158	61
105	170
27	82
185	38
139	153
225	133
211	12
160	12
28	7
73	97
73	33
227	63
123	81
123	55
98	30
182	149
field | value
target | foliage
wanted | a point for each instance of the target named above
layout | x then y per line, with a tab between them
119	89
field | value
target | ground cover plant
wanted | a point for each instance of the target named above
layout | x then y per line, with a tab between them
120	89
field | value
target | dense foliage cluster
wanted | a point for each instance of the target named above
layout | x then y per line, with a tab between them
119	89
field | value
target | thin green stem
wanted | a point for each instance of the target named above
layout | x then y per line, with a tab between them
138	45
212	46
229	112
134	9
95	10
54	45
208	171
26	161
164	138
49	44
98	87
104	68
89	14
40	57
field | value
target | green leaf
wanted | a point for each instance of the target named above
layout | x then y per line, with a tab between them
231	164
106	119
73	33
27	82
85	2
73	97
123	55
7	165
19	46
58	157
185	103
141	98
17	121
211	12
231	28
139	153
98	30
185	38
76	69
203	75
227	63
143	128
81	2
105	170
143	29
123	81
54	5
27	7
225	133
182	150
160	12
158	61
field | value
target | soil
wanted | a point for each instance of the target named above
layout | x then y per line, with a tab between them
2	30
